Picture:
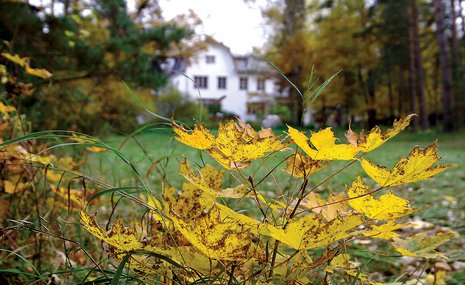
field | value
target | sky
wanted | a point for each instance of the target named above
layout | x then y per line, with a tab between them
235	23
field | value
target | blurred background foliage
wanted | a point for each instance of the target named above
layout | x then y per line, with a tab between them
90	47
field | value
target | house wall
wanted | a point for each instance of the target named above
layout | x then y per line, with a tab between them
235	100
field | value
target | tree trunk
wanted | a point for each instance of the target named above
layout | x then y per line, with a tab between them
412	82
445	66
401	92
391	96
294	22
371	92
418	66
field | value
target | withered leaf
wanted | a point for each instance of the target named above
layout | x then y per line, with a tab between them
300	166
423	244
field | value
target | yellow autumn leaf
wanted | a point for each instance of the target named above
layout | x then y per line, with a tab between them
199	138
300	166
387	207
423	244
210	180
21	61
418	166
38	72
235	146
334	207
13	187
310	231
190	204
376	137
4	109
221	236
384	231
120	237
24	62
438	277
324	145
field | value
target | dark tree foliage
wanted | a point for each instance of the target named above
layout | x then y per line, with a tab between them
94	44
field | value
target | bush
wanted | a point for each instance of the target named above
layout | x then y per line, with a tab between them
170	102
194	234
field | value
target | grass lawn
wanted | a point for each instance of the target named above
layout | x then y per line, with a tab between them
439	199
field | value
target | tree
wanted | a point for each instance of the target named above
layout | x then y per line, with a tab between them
445	66
288	47
418	74
90	48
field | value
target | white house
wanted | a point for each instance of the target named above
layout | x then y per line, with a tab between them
242	85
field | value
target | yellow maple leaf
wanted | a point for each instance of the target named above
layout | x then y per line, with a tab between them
376	137
418	166
300	166
324	145
122	240
221	234
192	202
386	207
384	231
210	180
337	205
235	146
310	231
199	138
423	244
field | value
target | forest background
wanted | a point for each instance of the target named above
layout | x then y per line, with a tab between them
392	58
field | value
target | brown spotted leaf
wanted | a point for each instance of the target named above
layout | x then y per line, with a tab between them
334	207
384	231
300	166
311	231
221	234
209	179
418	166
236	144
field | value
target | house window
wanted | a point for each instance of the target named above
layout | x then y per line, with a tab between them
201	82
243	83
221	82
260	84
210	59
